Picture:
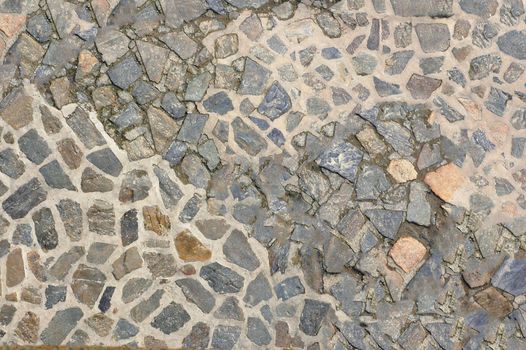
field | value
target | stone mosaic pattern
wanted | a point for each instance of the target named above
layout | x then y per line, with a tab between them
262	174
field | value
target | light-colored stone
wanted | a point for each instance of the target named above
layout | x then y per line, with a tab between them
445	181
402	170
408	253
190	248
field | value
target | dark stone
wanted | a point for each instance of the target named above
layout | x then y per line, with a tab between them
198	338
55	295
105	299
55	176
482	8
106	161
513	43
511	277
423	8
221	278
45	231
387	222
171	319
384	88
192	127
246	138
129	227
230	310
451	114
219	103
197	294
34	146
497	101
343	159
124	330
258	290
84	128
257	332
125	73
254	78
276	102
373	42
312	316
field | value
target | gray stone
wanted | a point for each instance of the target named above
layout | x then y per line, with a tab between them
431	65
480	67
503	187
129	261
257	332
7	312
419	212
197	294
192	127
354	334
343	159
278	46
99	252
237	250
387	222
246	138
457	76
422	87
225	337
193	171
433	37
275	103
331	53
175	153
329	25
339	97
397	62
312	316
10	164
91	181
371	183
135	186
451	114
482	8
40	28
34	146
402	34
513	73
364	63
198	338
307	55
209	152
252	27
147	306
129	227
230	310
219	103
112	44
62	323
125	73
289	288
154	59
373	42
171	104
101	218
344	292
384	88
22	235
497	101
518	144
254	79
197	86
130	116
45	231
258	290
226	45
84	128
181	44
317	106
55	176
170	191
513	43
423	8
144	92
124	330
63	264
171	319
221	278
134	288
191	208
336	254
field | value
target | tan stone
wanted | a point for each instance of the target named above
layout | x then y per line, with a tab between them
129	261
495	303
190	248
370	141
445	181
104	96
163	128
11	23
87	64
36	267
473	108
31	295
407	253
70	152
27	328
155	220
402	170
100	323
15	272
19	110
61	91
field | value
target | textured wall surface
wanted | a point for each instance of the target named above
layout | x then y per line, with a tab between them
239	174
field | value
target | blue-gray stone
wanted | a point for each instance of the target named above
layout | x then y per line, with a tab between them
387	222
105	299
312	316
257	332
22	235
192	127
482	8
124	330
513	43
384	88
175	153
171	319
194	291
106	161
230	310
55	295
125	73
343	159
171	105
61	325
221	278
423	8
237	250
258	290
277	137
34	146
276	102
289	288
254	78
25	198
331	53
55	176
497	101
225	337
219	103
246	138
10	164
451	114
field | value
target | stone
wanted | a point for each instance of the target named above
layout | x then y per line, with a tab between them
28	327
105	299
34	146
144	92
252	27
61	91
63	264
84	128
257	332
55	176
230	310
62	323
221	278
197	294
7	312
147	306
402	34
364	64
513	73
289	288
22	235
246	138
189	248
384	88
129	227
10	164
343	159
408	253
134	288
181	44
329	25
100	324
14	268
154	59
480	67
219	103
160	265
198	338
192	127
155	220
254	78
424	8
101	218
124	73
175	152
509	277
445	181
312	316
275	103
124	330
422	87
16	109
493	302
513	43
237	250
451	114
397	62
27	53
24	199
387	222
225	337
129	261
92	181
87	284
171	105
433	37
373	42
45	231
483	8
336	254
197	87
70	152
226	45
402	170
40	28
171	319
170	191
371	183
135	186
497	101
258	290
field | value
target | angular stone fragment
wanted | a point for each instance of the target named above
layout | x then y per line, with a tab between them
34	146
237	250
91	181
197	294
170	191
45	231
408	253
171	319
246	138
87	284
198	338
160	265
129	261
510	277
329	25
154	59
423	8
7	312
221	278
190	248
175	152
384	88
192	127
387	222
10	164
219	103
289	288
55	176
197	87
70	152
125	72
181	44
497	101
155	220
16	109
124	330
100	323
336	254
129	227
402	170
101	218
422	87
84	128
480	67
63	264
373	42
225	337
276	102
257	332
61	325
494	302
482	8
254	78
135	186
258	290
145	308
226	45
312	316
28	327
445	181
61	91
433	37
252	27
513	43
343	159
134	288
106	161
14	268
55	295
230	310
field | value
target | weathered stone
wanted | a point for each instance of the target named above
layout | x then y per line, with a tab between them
197	87
257	332
91	181
480	67
171	318
61	91
422	87
246	138
198	338
397	62
134	288
45	231
225	337
221	278
371	183
129	227
329	25
16	109
289	288
373	42
433	37
61	325
40	28
197	294
34	146
192	127
445	181
14	268
147	306
55	176
494	302
343	159
190	248
22	235
10	164
135	186
160	265
155	220
219	103
384	88
258	290
513	43
312	316
254	78
497	101
424	8
402	170
275	103
87	284
510	277
230	310
124	330
25	198
100	324
408	253
237	250
336	254
482	8
387	222
7	312
101	218
55	295
129	261
125	72
226	45
154	59
84	128
70	152
170	191
513	73
62	266
28	327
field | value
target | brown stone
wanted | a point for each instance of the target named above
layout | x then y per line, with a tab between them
11	297
104	96
188	269
284	339
87	285
27	328
478	272
495	303
421	87
445	181
31	295
52	124
129	261
88	63
70	152
408	253
15	272
100	323
36	267
190	248
155	220
163	128
61	91
11	23
18	110
92	181
402	170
